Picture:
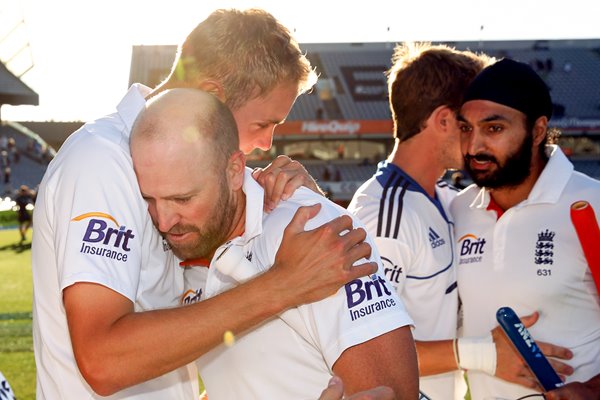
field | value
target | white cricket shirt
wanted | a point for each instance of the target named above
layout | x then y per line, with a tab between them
290	357
92	225
530	259
414	235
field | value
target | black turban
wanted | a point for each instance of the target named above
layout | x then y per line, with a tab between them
513	84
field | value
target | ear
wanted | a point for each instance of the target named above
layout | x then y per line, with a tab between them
540	130
213	87
443	117
236	168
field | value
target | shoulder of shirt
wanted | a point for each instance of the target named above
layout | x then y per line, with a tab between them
109	127
585	180
306	197
104	132
467	195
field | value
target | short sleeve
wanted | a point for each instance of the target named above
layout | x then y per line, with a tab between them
98	217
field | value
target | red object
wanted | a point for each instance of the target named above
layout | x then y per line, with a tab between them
586	226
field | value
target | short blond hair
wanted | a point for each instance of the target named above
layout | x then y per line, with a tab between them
248	52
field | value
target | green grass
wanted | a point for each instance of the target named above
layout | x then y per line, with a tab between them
16	291
8	218
16	345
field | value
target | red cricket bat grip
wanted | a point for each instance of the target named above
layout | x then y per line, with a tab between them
588	232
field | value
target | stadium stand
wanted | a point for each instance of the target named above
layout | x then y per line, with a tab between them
23	154
357	75
29	166
345	120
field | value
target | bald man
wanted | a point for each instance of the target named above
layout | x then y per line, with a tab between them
185	154
105	283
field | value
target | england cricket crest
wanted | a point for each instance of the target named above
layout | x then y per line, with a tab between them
544	248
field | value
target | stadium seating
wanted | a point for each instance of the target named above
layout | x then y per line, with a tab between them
570	70
31	166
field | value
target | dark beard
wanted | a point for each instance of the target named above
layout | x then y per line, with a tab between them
514	171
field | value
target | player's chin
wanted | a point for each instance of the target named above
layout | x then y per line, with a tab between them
183	246
183	252
481	177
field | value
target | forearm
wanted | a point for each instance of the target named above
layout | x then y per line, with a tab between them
436	357
143	345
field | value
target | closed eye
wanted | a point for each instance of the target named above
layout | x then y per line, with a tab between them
182	200
263	125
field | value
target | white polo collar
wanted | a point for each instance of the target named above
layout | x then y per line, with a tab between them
549	185
132	104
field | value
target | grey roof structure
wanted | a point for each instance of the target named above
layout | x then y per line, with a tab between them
14	91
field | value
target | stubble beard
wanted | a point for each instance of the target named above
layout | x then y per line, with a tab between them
208	239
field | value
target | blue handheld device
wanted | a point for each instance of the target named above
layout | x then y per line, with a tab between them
525	345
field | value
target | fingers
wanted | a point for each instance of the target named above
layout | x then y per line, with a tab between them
334	390
530	319
272	180
317	262
354	246
344	223
561	368
291	185
256	173
281	178
358	271
358	252
275	187
301	217
281	161
551	350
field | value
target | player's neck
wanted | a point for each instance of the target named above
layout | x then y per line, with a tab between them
239	219
419	162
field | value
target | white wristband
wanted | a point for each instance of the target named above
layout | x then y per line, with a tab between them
477	354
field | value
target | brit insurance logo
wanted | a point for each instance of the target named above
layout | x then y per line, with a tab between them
434	239
392	271
191	296
471	248
104	236
368	296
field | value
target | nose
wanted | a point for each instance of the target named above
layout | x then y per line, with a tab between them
471	142
163	216
265	140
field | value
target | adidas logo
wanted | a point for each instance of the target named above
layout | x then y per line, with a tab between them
434	239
